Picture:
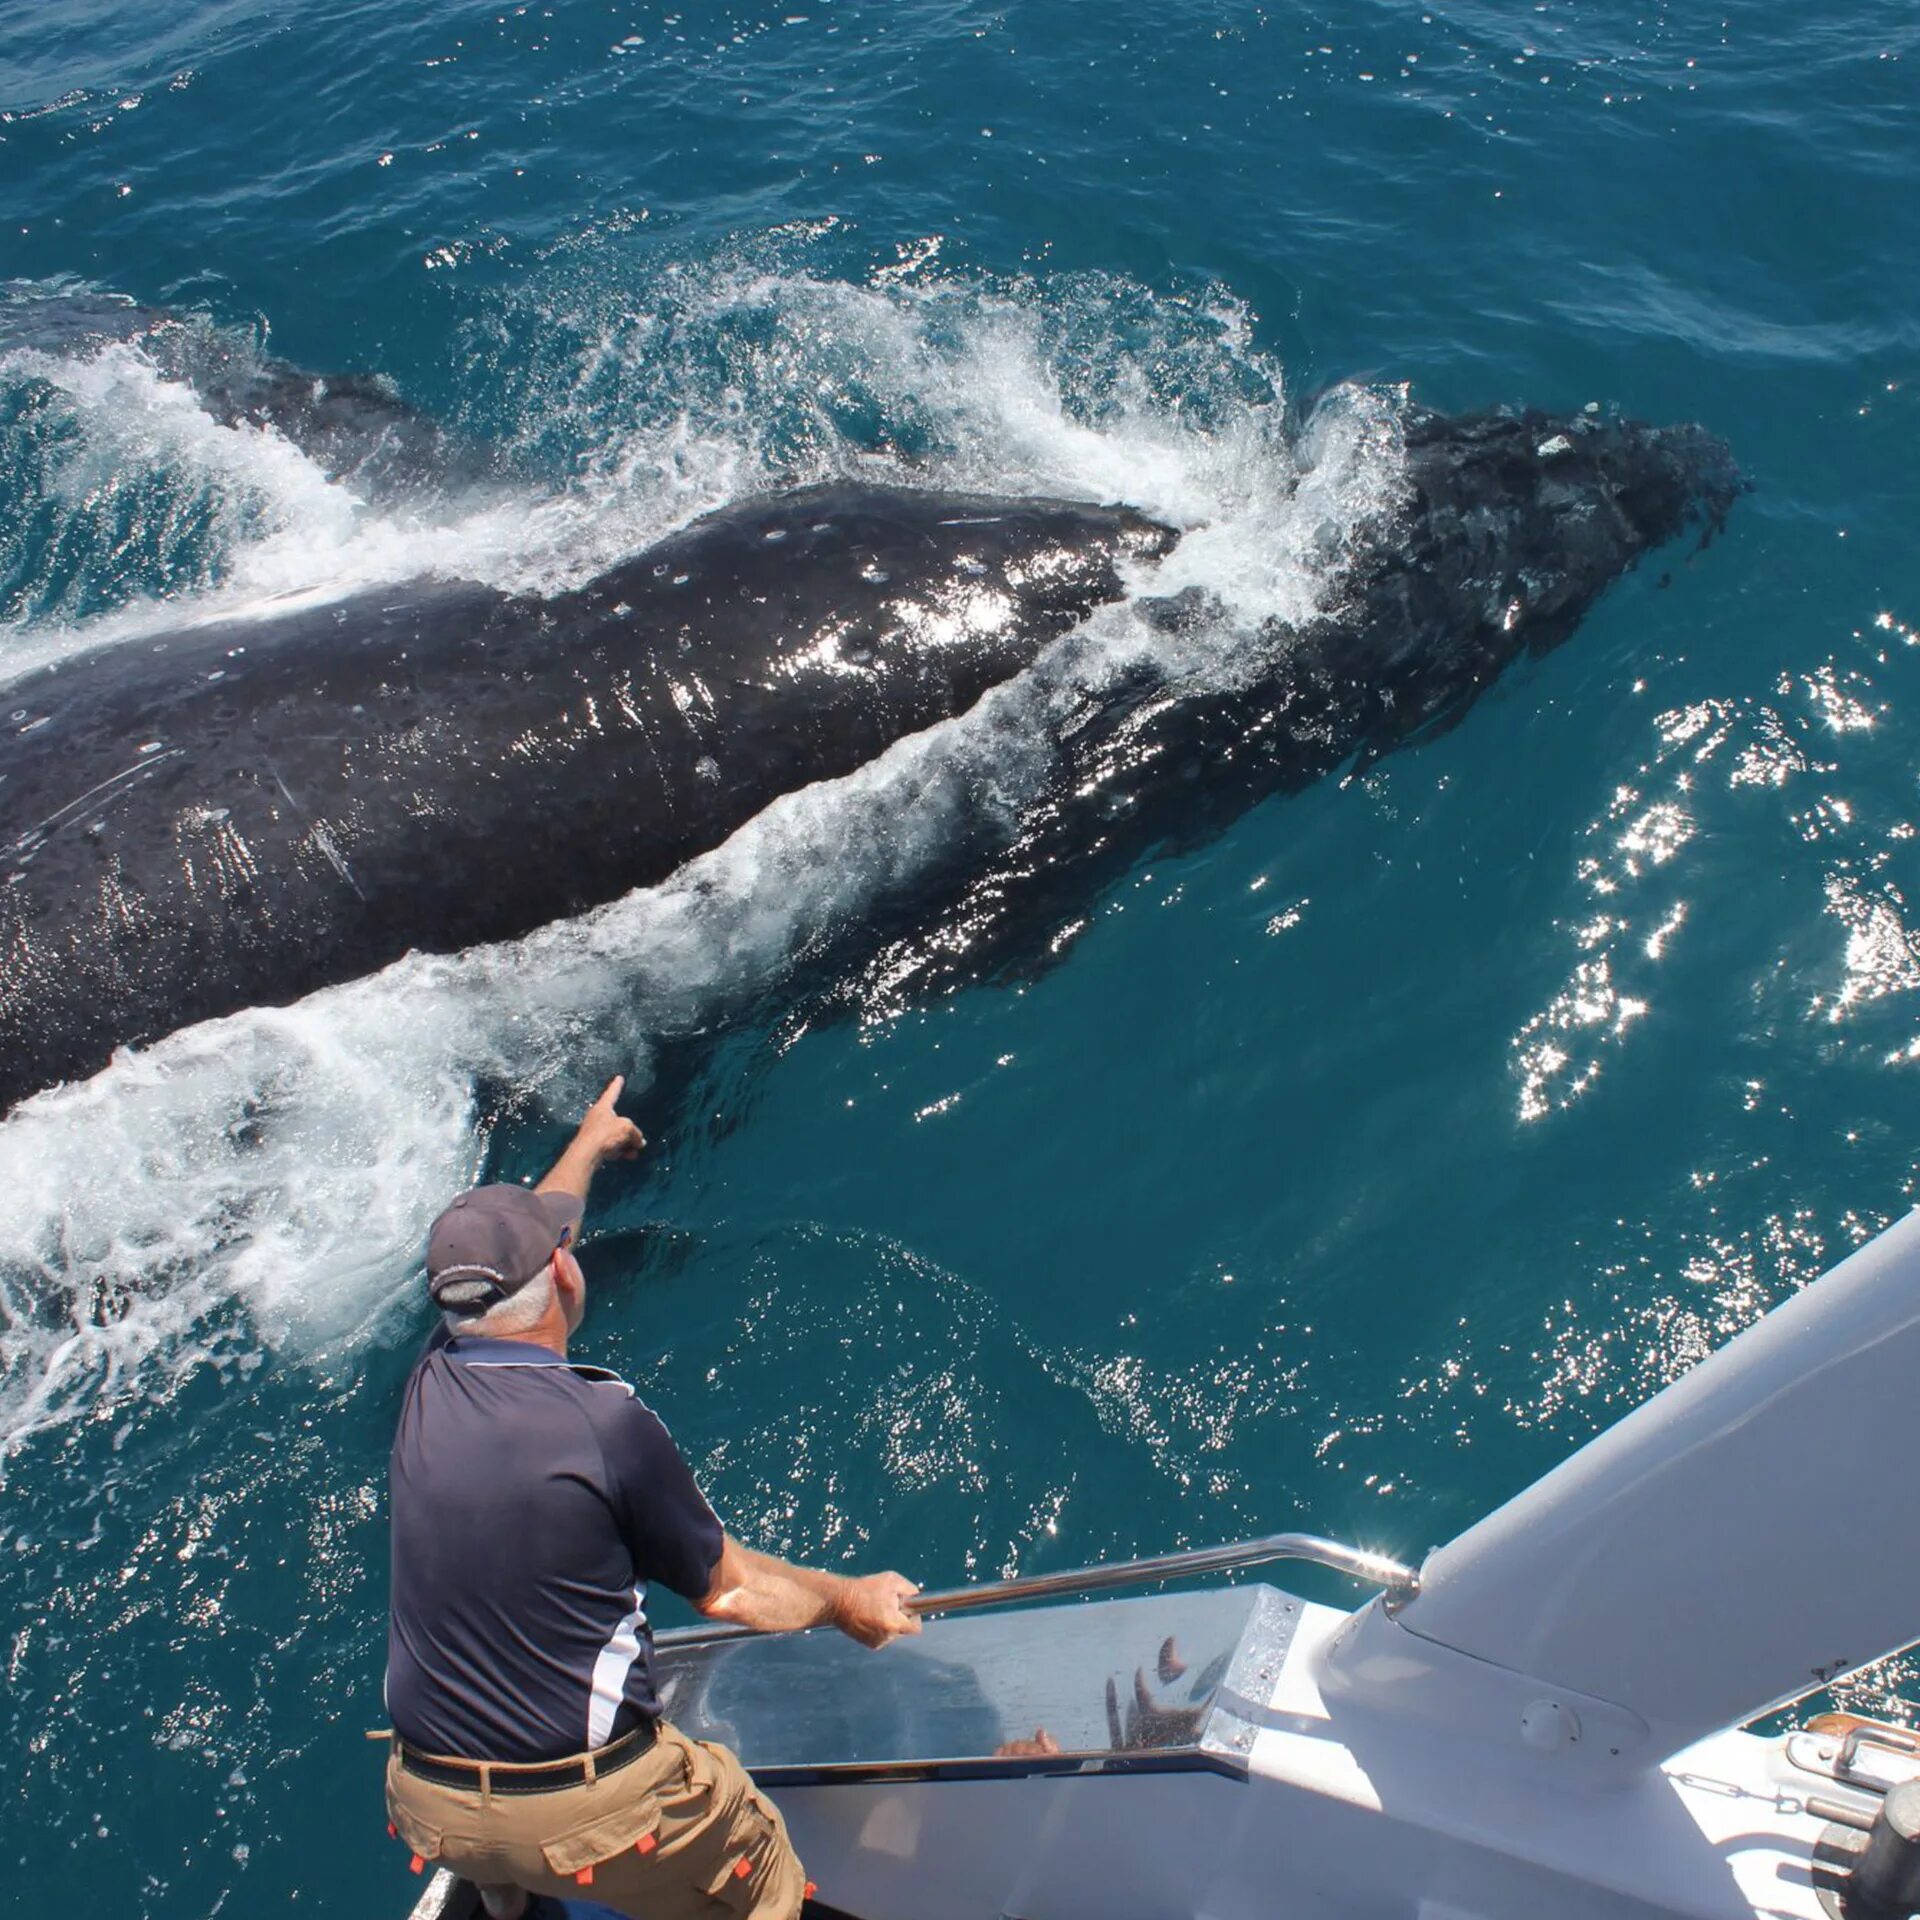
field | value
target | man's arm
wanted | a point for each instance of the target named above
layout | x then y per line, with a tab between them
749	1589
603	1135
755	1590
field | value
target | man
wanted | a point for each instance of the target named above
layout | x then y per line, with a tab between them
533	1502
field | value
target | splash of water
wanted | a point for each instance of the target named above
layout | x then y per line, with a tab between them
263	1178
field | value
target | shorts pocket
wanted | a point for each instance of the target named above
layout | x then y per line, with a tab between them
741	1881
732	1886
603	1838
421	1835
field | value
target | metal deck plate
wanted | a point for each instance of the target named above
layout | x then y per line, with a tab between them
1172	1680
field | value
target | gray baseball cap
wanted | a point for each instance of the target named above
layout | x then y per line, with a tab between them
492	1241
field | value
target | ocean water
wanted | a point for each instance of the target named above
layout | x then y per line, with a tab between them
1344	1170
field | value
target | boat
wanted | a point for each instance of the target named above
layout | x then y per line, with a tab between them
1571	1711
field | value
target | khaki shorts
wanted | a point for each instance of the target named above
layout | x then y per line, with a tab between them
679	1834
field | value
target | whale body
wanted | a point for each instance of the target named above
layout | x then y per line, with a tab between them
241	812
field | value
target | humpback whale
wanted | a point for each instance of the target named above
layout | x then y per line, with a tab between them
242	811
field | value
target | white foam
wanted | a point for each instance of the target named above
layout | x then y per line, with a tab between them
276	1168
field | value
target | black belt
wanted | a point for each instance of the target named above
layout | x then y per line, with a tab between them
498	1776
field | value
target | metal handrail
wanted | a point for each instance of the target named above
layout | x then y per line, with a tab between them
1358	1563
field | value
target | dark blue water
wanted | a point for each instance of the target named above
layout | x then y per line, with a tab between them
1346	1170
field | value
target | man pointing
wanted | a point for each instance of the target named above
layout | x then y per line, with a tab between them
534	1500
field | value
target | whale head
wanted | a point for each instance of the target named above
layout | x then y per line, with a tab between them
1507	529
1511	526
1516	522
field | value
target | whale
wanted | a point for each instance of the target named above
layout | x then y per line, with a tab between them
244	810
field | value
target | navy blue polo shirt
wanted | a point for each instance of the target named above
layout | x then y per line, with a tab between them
533	1501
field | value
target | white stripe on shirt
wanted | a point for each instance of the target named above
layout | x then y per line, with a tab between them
610	1671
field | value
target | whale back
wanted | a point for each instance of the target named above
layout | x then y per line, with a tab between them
239	813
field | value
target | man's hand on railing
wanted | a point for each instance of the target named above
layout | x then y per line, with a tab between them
766	1595
873	1610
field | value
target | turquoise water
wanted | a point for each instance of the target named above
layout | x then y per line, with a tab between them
1345	1171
